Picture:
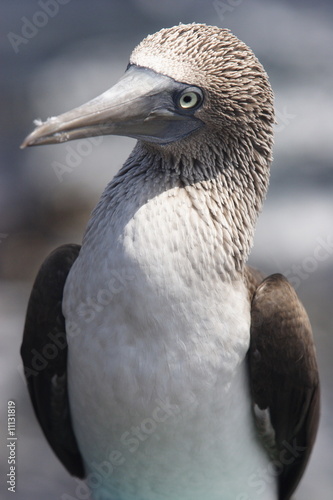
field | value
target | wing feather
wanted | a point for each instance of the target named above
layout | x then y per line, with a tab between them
284	375
44	355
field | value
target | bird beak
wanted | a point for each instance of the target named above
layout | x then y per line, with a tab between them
140	105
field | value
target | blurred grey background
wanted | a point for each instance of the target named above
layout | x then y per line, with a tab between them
56	57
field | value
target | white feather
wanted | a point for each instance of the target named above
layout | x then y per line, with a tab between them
157	341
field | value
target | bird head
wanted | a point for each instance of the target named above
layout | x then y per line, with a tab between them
182	83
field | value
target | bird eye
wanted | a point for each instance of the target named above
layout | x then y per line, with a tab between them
189	99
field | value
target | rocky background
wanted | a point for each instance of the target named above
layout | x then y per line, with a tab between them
55	55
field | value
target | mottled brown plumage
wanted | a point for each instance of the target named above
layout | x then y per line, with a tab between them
284	376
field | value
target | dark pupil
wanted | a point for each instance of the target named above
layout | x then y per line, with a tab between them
187	98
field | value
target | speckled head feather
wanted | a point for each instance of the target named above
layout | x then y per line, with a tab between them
237	86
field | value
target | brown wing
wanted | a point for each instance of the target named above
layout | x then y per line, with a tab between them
44	355
284	375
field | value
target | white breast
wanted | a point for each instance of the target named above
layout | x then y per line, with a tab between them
157	340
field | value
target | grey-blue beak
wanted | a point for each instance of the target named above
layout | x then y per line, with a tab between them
142	104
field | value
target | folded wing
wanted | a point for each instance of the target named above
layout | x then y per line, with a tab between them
44	355
284	375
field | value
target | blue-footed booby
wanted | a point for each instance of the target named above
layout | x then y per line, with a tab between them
160	365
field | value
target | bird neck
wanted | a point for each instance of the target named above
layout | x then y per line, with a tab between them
205	196
225	185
